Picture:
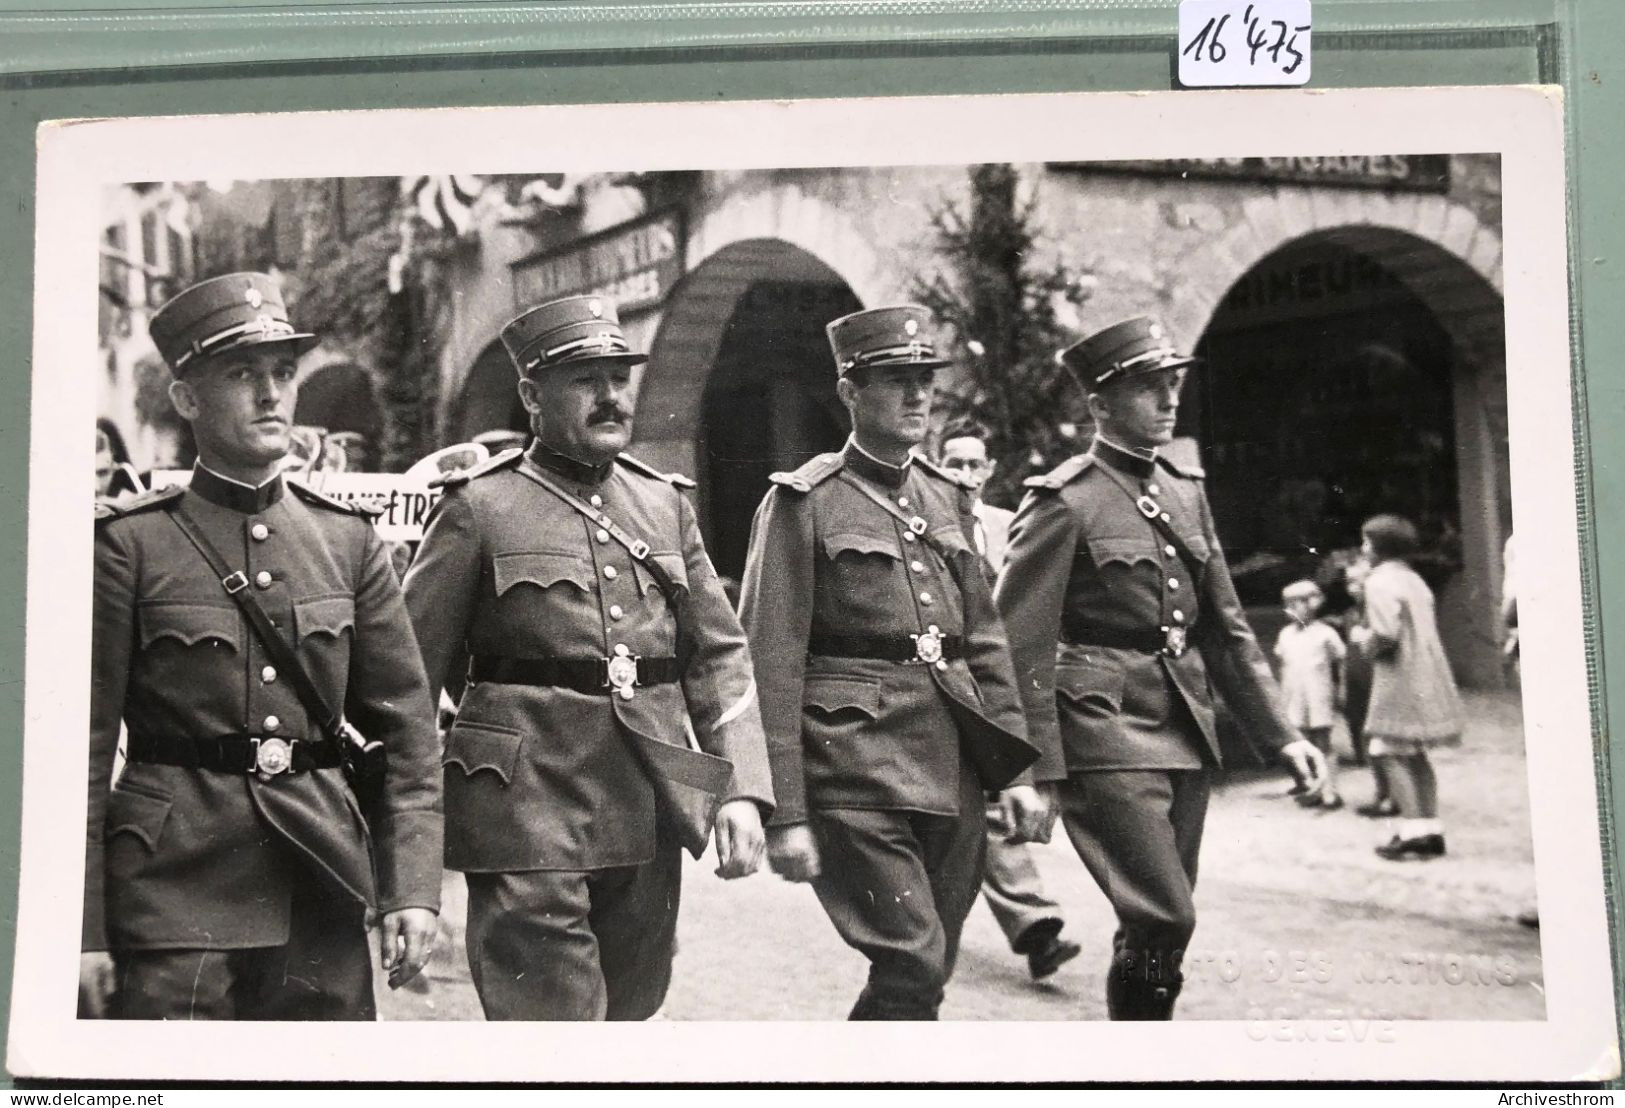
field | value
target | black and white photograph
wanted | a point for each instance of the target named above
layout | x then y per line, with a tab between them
1050	562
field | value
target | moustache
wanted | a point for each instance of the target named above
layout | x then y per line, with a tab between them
609	413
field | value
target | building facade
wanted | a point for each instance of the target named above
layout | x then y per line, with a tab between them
1349	310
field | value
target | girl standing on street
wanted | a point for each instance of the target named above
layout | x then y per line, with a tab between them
1414	704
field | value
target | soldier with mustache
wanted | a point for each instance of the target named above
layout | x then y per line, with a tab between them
567	589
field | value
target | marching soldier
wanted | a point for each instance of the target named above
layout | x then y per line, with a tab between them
885	679
1122	616
227	869
569	584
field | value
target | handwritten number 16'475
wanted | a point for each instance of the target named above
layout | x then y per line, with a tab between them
1258	34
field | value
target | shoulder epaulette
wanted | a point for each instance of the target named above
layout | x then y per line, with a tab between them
639	466
953	477
815	472
1195	473
117	509
490	465
1062	474
366	509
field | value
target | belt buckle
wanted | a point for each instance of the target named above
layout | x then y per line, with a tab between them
928	646
271	757
621	674
1175	642
1149	508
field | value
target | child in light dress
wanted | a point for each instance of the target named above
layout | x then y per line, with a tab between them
1311	656
1414	704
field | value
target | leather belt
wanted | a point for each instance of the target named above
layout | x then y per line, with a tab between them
593	676
926	647
265	754
1171	642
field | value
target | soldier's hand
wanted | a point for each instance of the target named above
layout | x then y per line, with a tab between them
1027	813
1306	762
792	851
95	984
740	839
405	941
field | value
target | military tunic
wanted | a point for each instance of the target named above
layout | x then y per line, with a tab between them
887	758
193	859
1089	592
545	778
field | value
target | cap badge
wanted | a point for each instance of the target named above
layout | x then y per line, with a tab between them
596	308
910	326
1155	331
605	340
916	351
254	297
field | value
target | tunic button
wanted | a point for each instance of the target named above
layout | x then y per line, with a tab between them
620	650
272	723
610	572
263	579
908	536
942	663
1173	584
1179	616
1170	551
902	501
602	535
615	611
1152	489
596	501
917	566
925	598
268	674
260	532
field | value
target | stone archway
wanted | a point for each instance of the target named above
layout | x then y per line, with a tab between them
740	382
1328	312
488	399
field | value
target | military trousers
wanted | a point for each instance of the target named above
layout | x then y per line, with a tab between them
575	944
323	972
898	885
1014	892
1139	833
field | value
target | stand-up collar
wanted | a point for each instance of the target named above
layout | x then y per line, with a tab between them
871	468
1136	464
219	489
568	468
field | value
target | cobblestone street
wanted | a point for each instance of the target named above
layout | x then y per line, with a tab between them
1297	918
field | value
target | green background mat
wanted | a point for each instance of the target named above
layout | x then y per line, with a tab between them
136	57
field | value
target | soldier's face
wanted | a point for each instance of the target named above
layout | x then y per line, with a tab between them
893	407
1140	410
583	411
240	406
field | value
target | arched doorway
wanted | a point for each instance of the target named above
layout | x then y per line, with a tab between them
488	400
740	382
339	398
1354	372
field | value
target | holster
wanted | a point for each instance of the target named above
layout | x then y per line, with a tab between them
689	785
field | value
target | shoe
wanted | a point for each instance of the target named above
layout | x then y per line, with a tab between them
1422	847
1331	805
1308	800
1350	760
1379	809
1051	957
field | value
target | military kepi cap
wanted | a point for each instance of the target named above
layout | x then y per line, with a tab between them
1139	345
562	332
223	314
898	336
